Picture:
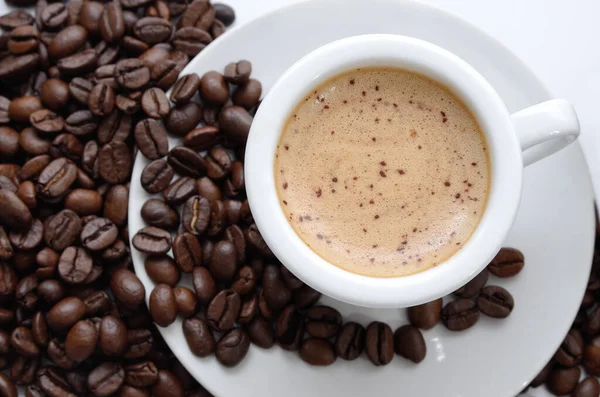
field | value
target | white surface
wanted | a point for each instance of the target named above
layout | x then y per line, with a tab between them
503	143
554	229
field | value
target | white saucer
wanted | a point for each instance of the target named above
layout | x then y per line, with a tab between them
554	228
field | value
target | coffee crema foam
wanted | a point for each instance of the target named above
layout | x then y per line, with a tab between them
382	172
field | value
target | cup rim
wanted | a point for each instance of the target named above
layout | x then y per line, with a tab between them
440	65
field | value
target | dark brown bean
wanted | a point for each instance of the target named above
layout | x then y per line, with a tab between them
151	139
162	305
495	302
460	315
112	23
113	339
213	88
232	347
427	315
187	252
318	352
184	118
204	285
507	263
185	88
64	314
127	288
199	337
409	343
350	341
199	13
81	340
158	213
156	176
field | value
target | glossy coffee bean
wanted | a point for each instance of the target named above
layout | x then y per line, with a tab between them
289	328
64	314
101	101
186	161
495	302
199	337
132	73
151	139
276	292
507	263
115	127
350	341
184	118
317	352
127	288
185	88
460	314
186	301
152	30
214	88
157	176
187	252
191	40
589	387
152	240
202	138
305	297
62	229
78	63
81	340
563	381
162	269
248	94
196	215
158	213
112	336
112	23
570	351
427	315
235	122
379	343
75	265
98	234
162	305
223	310
473	287
84	201
323	322
204	285
248	310
409	343
232	347
21	108
27	239
245	281
155	104
167	384
142	374
23	39
114	162
21	341
224	13
116	204
200	14
106	379
261	332
591	357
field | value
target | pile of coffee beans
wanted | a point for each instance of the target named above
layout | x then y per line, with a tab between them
81	84
241	293
576	364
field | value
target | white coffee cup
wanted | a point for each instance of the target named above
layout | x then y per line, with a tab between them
514	141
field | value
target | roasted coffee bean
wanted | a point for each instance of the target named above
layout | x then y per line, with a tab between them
67	145
202	138
156	55
185	88
379	343
132	73
112	23
289	328
562	381
7	387
99	234
23	39
186	161
106	379
305	297
199	13
208	189
224	13
184	118
21	108
156	176
218	163
236	183
112	337
460	315
50	291
570	351
78	381
32	168
55	95
223	311
162	305
18	67
7	183
204	285
507	263
214	88
473	287
248	94
256	241
196	214
495	302
187	252
290	279
64	314
21	341
75	265
25	293
218	219
143	374
155	103
127	288
140	342
67	41
158	213
235	122
191	40
158	9
46	121
6	249
56	353
186	301
589	387
81	123
56	178
261	332
80	89
409	343
27	239
4	105
162	269
54	16
101	101
151	139
245	281
52	383
180	191
276	292
223	262
78	63
114	162
62	229
81	340
98	303
135	3
15	213
323	322
248	310
34	391
207	248
152	30
83	201
199	337
350	341
128	103
90	15
591	357
167	384
116	204
232	347
316	351
427	315
39	329
24	369
15	19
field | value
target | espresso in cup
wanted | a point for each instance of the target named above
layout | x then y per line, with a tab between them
382	172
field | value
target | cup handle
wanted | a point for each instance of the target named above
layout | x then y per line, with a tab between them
545	128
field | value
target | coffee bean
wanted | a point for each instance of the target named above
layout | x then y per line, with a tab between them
208	189
316	351
21	108
156	176
101	100
305	297
589	387
155	104
185	88
8	184
203	138
460	315
21	341
162	305
78	63
81	340
46	122
34	391
83	201
98	234
563	381
232	347
570	351
187	252
236	182
4	105
245	281
289	328
67	41
112	336
106	379
116	204
132	73
152	30
7	387
114	162
409	343
248	310
18	67
15	213
191	40
261	332
186	161
199	337
379	343
67	145
27	239
196	215
54	16
473	287
350	341
24	369
186	301
183	118
223	262
6	249
159	9
52	383
507	263
75	265
495	302
143	374
112	23
62	229
135	3
199	13
64	314
213	88
224	13
158	213
98	303
180	191
218	163
49	290
204	285
90	15
248	94
81	123
427	315
162	269
167	384
127	288
56	353
276	293
25	293
235	122
151	139
152	240
223	311
23	39
323	322
80	89
15	19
